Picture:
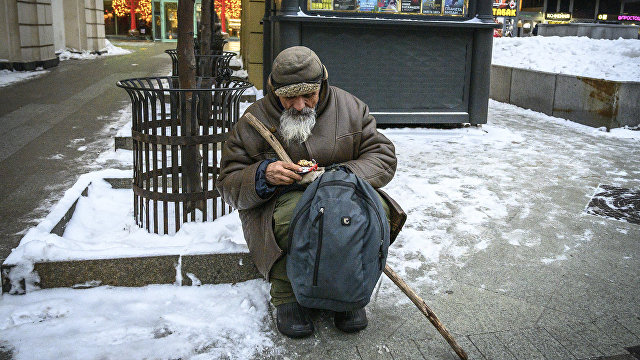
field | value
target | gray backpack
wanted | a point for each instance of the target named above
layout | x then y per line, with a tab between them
338	242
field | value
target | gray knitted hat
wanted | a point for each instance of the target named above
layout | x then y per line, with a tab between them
297	71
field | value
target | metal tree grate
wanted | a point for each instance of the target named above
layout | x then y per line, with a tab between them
616	203
219	64
176	137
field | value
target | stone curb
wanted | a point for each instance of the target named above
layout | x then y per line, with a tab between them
588	101
137	271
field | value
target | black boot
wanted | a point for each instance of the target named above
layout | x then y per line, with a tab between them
351	321
293	321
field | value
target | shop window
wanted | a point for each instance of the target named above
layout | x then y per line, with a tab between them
171	21
609	7
157	21
584	9
109	19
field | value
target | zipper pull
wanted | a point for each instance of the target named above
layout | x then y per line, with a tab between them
320	213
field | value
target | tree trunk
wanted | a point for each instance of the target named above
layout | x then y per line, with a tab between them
217	42
191	181
132	9
204	65
223	16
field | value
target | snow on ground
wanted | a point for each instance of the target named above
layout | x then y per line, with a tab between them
152	322
8	77
108	50
510	183
103	227
452	183
601	59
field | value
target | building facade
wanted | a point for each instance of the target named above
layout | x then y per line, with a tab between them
36	29
532	12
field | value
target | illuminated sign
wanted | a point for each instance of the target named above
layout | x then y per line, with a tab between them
504	12
628	18
557	16
505	8
608	17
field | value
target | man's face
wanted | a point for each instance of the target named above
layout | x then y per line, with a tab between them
301	101
299	117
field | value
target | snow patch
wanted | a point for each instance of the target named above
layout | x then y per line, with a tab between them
153	322
9	77
616	60
108	50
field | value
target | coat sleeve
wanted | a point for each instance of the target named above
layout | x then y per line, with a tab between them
376	162
236	182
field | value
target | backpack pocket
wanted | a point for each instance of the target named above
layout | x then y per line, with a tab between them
337	252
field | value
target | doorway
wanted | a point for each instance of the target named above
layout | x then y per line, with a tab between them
170	21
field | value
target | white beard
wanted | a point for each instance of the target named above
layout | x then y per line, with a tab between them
297	125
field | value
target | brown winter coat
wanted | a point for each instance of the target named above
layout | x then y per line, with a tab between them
344	133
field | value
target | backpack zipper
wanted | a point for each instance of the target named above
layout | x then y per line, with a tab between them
308	204
373	207
319	248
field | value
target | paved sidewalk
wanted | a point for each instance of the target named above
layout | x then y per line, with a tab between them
53	127
544	281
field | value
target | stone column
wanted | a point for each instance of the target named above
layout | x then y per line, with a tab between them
94	19
26	39
84	24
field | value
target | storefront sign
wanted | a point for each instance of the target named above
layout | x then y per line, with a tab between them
504	12
505	8
628	18
558	16
607	17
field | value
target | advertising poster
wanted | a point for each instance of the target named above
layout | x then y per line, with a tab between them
454	7
410	6
387	6
433	7
321	4
366	5
344	4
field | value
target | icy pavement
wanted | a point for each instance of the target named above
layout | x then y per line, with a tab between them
497	241
513	182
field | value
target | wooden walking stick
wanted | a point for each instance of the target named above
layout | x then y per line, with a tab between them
417	300
424	308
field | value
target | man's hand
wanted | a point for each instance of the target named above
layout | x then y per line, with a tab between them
282	173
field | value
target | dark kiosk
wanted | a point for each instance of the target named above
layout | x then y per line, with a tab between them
411	61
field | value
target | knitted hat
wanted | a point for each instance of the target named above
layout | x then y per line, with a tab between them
297	71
